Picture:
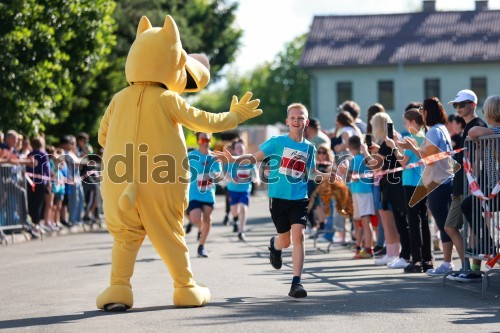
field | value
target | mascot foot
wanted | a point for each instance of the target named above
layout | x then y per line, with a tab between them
191	296
115	298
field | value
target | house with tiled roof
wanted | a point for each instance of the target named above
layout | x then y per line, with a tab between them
394	59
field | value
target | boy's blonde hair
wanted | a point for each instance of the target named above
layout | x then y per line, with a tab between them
299	106
491	108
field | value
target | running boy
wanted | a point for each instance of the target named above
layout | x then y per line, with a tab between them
239	187
204	168
292	162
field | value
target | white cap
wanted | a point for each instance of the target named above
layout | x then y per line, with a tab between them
465	95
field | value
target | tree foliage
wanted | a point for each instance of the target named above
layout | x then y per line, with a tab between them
63	60
205	26
52	50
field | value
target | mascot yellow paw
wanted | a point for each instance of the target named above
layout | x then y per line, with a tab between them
115	298
191	297
245	108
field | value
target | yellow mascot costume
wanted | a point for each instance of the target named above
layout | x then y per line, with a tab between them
146	176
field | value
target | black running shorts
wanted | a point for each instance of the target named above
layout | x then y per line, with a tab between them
287	212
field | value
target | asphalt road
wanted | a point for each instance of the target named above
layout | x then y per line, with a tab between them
51	286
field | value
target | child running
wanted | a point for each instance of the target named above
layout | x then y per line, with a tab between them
204	168
292	162
239	187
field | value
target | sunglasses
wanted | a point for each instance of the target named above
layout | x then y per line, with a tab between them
204	140
322	152
461	104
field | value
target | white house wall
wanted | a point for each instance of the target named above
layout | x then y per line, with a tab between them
365	86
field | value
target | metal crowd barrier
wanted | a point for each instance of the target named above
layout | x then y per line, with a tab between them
13	199
482	234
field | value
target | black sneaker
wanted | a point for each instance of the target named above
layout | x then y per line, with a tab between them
413	268
297	291
202	253
274	255
426	265
189	227
379	250
226	220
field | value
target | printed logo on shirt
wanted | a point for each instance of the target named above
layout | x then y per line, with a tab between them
204	182
293	163
243	175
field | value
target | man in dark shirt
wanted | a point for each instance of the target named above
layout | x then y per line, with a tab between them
465	103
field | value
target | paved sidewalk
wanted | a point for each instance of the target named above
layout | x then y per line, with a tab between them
51	286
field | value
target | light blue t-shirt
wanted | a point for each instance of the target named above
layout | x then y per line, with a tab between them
239	177
439	137
411	177
203	169
363	185
290	165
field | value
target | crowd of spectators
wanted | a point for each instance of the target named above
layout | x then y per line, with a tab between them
62	182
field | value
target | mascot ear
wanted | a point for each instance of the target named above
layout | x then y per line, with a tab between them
171	31
198	72
144	25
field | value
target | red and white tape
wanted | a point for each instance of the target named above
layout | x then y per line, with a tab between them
424	161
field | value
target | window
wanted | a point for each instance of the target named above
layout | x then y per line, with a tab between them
478	85
432	88
344	92
386	94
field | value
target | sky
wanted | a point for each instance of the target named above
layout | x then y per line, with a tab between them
269	24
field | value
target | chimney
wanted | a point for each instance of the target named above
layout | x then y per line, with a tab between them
481	5
429	6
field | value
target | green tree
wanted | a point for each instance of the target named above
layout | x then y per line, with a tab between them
205	26
52	50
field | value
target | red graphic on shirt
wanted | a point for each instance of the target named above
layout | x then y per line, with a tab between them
293	163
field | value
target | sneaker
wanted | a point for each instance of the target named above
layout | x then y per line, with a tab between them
469	277
453	276
385	260
202	253
426	265
413	268
398	263
226	220
297	291
274	255
235	227
189	226
364	254
241	236
441	270
379	250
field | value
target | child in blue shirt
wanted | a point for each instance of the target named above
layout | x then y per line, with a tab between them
292	162
239	186
362	198
204	168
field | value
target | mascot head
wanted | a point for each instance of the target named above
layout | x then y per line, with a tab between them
157	56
